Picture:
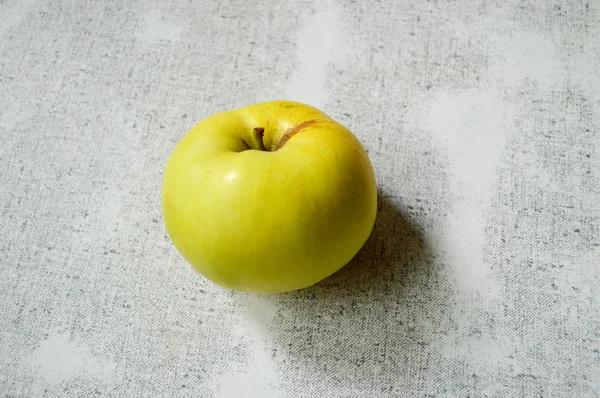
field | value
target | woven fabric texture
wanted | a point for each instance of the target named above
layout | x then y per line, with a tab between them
481	278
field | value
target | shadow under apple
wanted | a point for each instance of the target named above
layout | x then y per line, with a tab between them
395	251
362	318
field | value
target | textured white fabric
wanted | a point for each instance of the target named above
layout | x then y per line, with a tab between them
481	278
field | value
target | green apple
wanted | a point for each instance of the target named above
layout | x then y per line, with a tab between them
269	198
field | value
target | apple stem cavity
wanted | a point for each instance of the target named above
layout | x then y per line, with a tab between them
259	133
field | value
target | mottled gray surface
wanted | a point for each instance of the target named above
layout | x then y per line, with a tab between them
481	278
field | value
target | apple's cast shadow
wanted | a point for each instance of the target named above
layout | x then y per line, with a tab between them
395	256
394	253
375	312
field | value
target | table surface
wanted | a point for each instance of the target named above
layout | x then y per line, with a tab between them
481	278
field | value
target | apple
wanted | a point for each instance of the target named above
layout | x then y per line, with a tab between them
269	198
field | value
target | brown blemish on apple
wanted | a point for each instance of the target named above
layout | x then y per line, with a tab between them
293	131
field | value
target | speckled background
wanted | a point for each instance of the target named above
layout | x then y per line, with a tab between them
481	279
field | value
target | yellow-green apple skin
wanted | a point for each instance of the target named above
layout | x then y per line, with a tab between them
269	198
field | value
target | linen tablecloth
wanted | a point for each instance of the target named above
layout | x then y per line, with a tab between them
482	275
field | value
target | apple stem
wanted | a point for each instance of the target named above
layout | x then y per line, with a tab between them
259	133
